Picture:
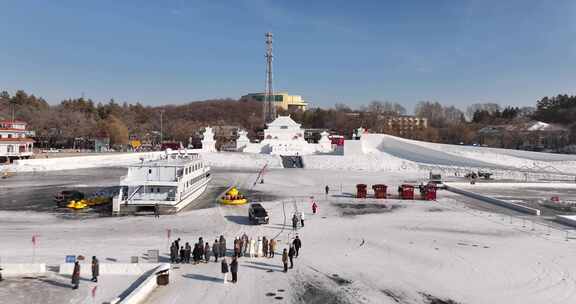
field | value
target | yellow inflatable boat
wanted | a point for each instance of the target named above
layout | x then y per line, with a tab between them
77	205
98	200
233	197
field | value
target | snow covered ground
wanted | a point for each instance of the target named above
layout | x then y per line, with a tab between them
353	251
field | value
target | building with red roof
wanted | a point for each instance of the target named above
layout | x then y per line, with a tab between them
14	141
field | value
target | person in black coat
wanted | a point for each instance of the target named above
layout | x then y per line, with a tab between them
177	242
95	269
200	251
182	254
295	221
234	269
222	243
76	275
216	250
188	249
285	259
195	254
291	253
173	253
297	245
224	267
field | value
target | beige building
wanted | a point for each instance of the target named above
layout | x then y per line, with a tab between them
283	100
404	124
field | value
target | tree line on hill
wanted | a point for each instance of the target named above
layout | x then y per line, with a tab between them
85	118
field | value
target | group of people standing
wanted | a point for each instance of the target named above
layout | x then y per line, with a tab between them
76	272
290	254
201	252
250	247
298	217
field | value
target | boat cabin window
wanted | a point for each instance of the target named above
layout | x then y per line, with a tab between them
149	171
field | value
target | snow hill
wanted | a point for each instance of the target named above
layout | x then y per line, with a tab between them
427	154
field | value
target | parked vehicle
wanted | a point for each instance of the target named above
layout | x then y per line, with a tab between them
257	214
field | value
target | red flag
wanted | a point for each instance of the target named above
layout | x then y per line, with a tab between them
94	291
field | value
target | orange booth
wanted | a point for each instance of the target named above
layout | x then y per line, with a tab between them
361	191
406	192
379	190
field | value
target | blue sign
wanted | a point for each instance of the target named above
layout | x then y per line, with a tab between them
70	258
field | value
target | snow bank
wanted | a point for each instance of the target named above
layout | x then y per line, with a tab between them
242	160
80	162
22	269
369	162
145	288
501	203
515	185
214	159
569	220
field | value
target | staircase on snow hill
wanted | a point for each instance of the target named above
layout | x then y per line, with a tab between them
292	161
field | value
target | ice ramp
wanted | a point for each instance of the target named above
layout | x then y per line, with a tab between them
416	153
292	162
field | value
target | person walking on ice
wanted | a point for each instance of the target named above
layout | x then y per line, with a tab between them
95	269
295	221
297	245
285	259
224	266
207	253
157	211
326	190
272	248
291	253
222	249
234	269
76	275
302	218
215	250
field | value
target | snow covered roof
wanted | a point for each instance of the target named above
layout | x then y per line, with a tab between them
542	126
538	126
531	126
284	121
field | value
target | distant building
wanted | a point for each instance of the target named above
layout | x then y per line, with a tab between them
282	100
284	136
14	141
404	124
533	136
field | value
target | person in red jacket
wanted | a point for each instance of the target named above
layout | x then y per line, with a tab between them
314	207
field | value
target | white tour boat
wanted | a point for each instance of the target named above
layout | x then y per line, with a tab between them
170	184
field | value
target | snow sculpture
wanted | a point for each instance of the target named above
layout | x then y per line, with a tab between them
208	142
242	140
324	144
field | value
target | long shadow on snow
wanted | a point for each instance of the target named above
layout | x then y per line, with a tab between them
238	219
265	264
201	277
260	268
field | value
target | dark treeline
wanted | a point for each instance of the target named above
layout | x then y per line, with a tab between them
84	118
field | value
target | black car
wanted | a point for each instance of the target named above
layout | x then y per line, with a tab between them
257	214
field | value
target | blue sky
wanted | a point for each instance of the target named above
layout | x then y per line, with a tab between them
174	51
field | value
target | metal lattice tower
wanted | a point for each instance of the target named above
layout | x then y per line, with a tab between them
269	104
